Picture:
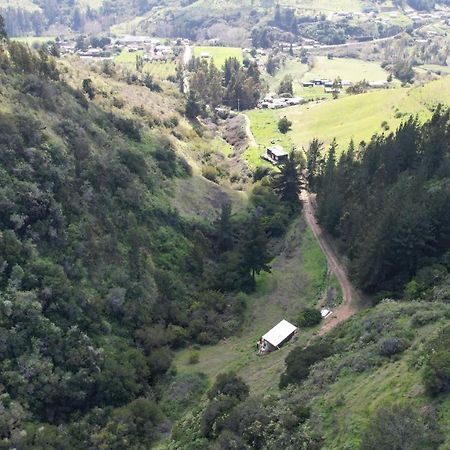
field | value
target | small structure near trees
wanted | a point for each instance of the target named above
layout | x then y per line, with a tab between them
276	337
275	155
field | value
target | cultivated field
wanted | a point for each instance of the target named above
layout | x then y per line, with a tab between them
219	54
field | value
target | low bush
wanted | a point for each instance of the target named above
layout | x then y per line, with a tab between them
391	346
309	317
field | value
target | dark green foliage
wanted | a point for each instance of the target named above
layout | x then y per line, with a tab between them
3	34
401	426
436	375
88	88
236	86
193	109
253	246
309	317
392	346
132	426
229	385
299	361
287	183
286	86
233	420
314	162
284	125
389	207
100	278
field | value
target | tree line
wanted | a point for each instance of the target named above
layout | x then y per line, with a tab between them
387	201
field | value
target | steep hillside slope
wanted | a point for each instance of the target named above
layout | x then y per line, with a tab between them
100	276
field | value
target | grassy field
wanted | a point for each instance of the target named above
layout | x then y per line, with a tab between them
327	5
435	68
347	68
159	70
30	40
220	54
298	279
357	117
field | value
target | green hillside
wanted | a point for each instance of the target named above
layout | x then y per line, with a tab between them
353	117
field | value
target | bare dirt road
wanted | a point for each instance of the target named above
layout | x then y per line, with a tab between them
351	298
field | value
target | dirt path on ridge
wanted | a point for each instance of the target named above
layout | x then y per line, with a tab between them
351	298
248	131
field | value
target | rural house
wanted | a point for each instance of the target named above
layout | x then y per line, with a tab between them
276	337
275	154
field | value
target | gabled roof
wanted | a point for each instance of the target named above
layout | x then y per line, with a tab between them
277	150
279	333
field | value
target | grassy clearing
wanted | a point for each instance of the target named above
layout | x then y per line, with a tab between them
126	57
159	70
264	124
296	280
357	117
347	68
328	5
292	67
30	40
435	68
220	54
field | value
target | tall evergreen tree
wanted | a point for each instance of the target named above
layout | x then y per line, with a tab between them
254	248
287	183
313	162
3	34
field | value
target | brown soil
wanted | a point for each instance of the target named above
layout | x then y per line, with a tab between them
351	302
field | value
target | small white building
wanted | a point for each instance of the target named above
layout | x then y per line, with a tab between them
277	336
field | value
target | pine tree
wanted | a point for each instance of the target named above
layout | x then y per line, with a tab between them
3	34
287	183
253	248
313	161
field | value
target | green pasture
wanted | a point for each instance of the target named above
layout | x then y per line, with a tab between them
347	68
219	54
356	117
158	69
30	40
328	5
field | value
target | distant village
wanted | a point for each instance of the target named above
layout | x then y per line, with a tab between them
154	49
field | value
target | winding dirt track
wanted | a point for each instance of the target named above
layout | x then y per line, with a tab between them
351	298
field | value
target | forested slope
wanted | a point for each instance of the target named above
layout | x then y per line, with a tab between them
387	203
100	278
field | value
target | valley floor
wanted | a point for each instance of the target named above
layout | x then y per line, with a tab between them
305	270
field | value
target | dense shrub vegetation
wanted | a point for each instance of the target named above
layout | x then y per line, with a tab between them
100	278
